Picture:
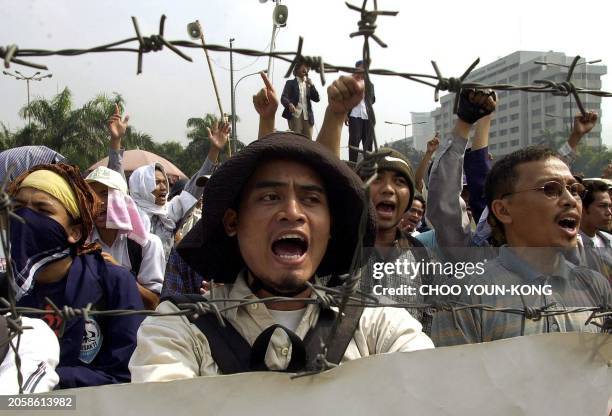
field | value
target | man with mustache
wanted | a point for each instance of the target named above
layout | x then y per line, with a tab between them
281	213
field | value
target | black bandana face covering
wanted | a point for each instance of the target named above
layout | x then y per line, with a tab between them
34	244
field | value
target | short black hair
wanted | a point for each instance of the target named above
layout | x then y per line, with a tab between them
502	176
419	197
592	188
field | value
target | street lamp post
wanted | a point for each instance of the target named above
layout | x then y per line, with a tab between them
20	77
405	125
234	86
231	41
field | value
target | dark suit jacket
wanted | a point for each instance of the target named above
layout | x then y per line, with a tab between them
291	94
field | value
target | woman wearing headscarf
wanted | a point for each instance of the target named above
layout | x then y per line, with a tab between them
55	266
149	185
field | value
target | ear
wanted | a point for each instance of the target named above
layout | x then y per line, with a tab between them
75	232
230	222
499	208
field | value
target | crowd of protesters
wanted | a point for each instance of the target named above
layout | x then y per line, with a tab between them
280	217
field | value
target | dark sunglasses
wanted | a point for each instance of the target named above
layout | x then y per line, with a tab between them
554	189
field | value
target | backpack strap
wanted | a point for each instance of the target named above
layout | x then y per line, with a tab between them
233	354
315	338
230	351
135	255
4	336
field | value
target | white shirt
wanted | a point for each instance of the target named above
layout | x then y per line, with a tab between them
598	242
360	111
39	351
172	348
302	107
153	265
289	319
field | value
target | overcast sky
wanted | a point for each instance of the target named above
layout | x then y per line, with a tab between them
171	90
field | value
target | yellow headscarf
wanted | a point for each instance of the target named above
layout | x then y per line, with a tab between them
56	186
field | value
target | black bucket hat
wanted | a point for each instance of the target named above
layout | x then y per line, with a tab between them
211	252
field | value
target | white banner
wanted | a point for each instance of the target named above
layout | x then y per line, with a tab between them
549	374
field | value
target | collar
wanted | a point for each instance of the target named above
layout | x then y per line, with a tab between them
512	262
95	237
240	290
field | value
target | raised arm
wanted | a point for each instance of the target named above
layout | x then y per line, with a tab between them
432	146
266	104
117	127
476	166
343	94
446	210
582	126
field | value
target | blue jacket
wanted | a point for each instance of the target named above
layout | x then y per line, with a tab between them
95	352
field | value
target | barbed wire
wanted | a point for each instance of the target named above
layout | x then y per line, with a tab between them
346	294
12	54
326	297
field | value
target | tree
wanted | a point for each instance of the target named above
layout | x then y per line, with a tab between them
79	134
6	138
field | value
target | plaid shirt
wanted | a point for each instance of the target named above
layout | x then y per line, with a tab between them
179	277
404	249
572	286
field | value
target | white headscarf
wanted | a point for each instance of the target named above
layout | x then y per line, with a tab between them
142	184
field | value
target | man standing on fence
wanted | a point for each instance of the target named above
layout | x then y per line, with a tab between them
358	122
296	98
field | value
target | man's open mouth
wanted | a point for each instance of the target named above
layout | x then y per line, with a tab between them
569	224
385	208
290	246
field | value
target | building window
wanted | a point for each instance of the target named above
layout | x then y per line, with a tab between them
514	130
503	132
535	98
514	104
493	134
492	147
493	122
503	119
550	108
514	117
503	145
514	143
536	112
550	123
537	125
502	107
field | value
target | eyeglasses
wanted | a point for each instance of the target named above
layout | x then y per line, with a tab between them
554	190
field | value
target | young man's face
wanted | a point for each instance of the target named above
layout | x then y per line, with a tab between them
302	71
282	225
412	217
161	188
102	191
47	205
390	194
533	219
599	214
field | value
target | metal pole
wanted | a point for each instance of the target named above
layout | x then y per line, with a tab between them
271	50
28	88
232	94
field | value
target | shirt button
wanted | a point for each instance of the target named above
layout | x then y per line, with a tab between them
254	306
555	326
285	351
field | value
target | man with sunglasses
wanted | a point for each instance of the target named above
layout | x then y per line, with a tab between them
535	208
